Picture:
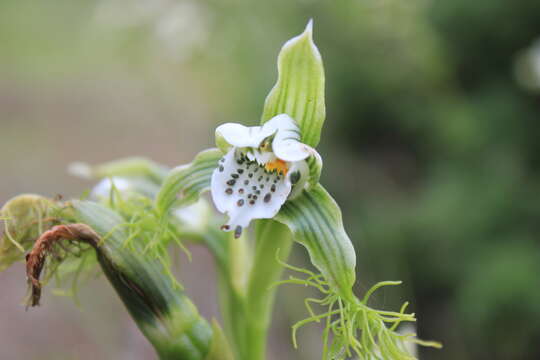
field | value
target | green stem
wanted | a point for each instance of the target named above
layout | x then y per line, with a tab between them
245	283
271	237
230	256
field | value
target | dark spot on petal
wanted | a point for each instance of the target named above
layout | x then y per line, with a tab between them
254	187
240	171
240	202
261	186
246	182
267	197
221	168
237	232
241	191
250	175
231	182
234	176
251	202
295	176
225	227
273	188
229	191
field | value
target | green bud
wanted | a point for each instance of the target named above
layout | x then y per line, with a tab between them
25	218
130	167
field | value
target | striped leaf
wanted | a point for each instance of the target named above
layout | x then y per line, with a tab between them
315	221
162	311
184	184
299	90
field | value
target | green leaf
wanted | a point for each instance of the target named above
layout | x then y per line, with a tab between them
299	91
315	221
187	181
271	237
219	349
162	311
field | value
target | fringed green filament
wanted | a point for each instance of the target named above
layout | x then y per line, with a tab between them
353	328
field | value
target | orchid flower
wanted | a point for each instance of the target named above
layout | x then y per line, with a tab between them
268	173
263	167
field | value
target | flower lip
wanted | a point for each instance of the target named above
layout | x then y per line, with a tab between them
246	190
260	170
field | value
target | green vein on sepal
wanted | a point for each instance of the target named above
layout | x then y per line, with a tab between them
315	221
184	184
315	165
299	90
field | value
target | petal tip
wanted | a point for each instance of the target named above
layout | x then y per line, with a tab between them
309	26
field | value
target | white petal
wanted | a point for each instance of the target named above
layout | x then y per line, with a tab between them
194	216
243	136
126	186
245	191
262	157
219	178
286	144
104	187
80	169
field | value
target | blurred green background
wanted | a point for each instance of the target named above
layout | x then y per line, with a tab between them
430	146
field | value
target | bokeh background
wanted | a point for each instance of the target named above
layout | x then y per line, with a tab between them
430	146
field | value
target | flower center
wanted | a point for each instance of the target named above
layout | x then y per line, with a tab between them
277	165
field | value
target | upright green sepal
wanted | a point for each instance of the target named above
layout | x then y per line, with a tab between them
299	90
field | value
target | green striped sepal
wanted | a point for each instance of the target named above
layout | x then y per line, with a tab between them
188	181
299	90
357	329
315	221
299	93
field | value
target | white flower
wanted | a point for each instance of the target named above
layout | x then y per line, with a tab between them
263	167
